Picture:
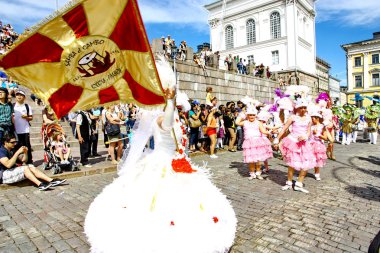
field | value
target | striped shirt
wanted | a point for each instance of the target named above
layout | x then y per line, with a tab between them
6	111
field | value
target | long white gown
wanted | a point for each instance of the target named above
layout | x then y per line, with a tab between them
156	209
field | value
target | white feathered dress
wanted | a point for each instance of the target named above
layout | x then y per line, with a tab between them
156	209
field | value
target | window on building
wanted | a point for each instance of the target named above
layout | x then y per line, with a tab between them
229	37
376	79
251	59
358	61
251	32
375	59
275	58
275	25
358	81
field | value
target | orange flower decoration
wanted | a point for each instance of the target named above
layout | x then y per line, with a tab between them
215	219
182	166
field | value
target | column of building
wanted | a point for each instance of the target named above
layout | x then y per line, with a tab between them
366	71
350	83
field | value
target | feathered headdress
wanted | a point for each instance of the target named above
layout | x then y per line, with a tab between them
165	72
301	90
250	101
323	96
279	93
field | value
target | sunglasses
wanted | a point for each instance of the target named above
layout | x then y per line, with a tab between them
13	142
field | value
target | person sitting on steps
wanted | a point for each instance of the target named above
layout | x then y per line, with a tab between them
11	173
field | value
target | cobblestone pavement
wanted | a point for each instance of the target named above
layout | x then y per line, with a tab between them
341	213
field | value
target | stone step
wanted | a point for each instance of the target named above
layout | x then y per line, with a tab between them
72	143
37	129
38	140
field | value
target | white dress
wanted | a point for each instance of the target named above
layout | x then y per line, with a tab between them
156	209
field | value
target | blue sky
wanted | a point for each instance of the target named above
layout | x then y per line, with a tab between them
338	22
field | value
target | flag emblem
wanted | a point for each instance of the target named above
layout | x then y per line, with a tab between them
94	52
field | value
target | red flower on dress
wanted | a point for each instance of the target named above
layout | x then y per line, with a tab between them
176	120
215	219
182	166
172	223
180	151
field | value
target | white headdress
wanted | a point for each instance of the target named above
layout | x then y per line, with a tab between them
251	110
301	102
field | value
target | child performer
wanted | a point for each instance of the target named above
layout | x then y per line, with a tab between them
60	147
372	118
256	148
263	117
295	148
319	133
347	118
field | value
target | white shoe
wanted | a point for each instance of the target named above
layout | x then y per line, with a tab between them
298	187
252	175
317	177
287	186
258	176
213	156
88	166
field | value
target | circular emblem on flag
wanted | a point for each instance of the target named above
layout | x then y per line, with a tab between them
93	62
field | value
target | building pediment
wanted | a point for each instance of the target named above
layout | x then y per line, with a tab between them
375	70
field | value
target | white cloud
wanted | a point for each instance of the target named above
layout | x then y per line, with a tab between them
349	12
25	13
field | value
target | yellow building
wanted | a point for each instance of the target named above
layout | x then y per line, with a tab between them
363	69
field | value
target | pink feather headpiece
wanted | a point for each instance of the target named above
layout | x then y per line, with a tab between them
323	96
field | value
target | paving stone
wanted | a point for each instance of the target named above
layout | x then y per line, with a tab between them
75	242
27	247
61	245
338	215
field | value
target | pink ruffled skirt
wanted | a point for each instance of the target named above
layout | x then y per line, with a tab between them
297	154
257	149
319	150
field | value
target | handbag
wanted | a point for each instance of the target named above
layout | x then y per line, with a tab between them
195	123
112	129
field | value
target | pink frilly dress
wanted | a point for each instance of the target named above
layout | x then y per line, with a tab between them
256	147
298	154
319	148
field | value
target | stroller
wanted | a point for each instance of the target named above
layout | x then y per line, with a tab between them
52	160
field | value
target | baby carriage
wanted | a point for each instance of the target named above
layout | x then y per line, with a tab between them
51	159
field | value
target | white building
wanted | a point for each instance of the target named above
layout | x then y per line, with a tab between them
334	89
278	33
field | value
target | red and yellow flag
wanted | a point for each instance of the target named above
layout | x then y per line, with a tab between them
95	52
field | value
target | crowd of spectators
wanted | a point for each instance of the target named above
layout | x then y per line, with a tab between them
7	37
171	50
247	67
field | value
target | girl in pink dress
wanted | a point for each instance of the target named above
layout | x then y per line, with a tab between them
319	134
256	147
263	117
295	148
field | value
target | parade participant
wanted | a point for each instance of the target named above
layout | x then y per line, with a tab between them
347	118
336	123
357	122
160	197
264	117
256	147
372	118
319	133
295	148
324	103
